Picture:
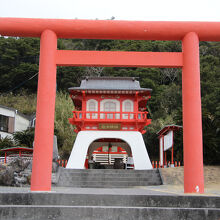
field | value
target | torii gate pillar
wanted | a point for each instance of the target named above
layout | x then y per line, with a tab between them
46	94
192	118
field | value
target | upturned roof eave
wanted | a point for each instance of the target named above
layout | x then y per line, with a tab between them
166	128
107	89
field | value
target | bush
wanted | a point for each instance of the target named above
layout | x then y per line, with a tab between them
6	142
24	138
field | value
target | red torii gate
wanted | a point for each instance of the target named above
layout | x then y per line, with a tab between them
190	33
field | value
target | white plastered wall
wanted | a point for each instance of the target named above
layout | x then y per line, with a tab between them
133	138
21	123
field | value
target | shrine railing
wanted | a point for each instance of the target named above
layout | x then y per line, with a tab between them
109	116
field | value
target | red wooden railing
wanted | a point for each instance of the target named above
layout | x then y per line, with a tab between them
109	116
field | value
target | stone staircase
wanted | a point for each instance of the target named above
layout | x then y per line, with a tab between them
103	201
108	178
98	205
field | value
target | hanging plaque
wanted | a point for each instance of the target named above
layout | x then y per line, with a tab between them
105	126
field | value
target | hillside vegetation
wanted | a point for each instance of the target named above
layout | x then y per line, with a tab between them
19	59
26	103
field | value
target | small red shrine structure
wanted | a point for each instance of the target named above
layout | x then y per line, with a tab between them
110	110
166	142
17	151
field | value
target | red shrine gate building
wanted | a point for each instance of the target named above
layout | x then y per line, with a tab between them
110	111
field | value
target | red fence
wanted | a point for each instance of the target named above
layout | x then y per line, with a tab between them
156	164
62	163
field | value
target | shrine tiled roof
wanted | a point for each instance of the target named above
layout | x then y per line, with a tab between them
110	83
17	149
167	128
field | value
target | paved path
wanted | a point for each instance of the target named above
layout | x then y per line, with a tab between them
148	190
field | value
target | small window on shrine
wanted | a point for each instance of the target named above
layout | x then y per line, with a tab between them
110	107
92	106
128	107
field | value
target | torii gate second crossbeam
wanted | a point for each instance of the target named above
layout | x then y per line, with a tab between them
50	29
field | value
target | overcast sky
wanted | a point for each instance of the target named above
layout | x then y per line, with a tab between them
148	10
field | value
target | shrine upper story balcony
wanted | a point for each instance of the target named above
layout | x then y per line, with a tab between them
104	116
92	120
117	101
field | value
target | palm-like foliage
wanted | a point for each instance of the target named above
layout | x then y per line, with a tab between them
6	142
24	138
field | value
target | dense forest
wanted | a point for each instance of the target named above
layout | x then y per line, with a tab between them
19	59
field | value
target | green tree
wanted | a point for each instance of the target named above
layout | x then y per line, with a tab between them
19	58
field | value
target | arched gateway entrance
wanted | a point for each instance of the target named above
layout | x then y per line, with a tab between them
190	33
133	138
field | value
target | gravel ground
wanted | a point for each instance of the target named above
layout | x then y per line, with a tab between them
173	179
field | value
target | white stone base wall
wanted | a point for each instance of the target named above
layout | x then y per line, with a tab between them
133	138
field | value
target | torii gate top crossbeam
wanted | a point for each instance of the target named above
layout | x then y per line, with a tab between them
110	29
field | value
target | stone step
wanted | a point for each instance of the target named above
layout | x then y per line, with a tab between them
116	174
34	212
69	199
105	175
111	179
110	173
121	171
108	178
108	185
